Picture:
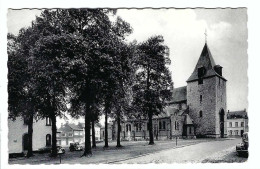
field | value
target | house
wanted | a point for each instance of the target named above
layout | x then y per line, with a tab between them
18	135
195	110
70	133
237	123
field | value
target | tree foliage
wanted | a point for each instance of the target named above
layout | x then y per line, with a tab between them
153	84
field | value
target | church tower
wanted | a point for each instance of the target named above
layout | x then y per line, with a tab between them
206	97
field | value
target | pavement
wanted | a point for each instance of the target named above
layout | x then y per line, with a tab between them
204	152
190	150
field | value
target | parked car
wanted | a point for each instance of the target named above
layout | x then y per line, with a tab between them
47	149
59	148
242	148
75	147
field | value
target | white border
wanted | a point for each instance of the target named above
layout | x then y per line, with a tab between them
253	38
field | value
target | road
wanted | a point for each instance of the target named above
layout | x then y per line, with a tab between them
190	150
215	151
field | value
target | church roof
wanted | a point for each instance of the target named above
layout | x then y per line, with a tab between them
237	114
179	94
206	60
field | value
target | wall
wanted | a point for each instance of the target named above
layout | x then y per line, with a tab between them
221	100
17	129
205	125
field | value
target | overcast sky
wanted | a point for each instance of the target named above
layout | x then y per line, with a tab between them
183	31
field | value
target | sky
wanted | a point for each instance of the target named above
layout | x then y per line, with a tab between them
184	33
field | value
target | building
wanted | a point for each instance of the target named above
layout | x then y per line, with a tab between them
237	123
18	135
110	132
196	110
70	133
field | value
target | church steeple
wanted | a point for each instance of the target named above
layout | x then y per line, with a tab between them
205	66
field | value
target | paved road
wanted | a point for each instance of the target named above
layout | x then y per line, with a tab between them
192	153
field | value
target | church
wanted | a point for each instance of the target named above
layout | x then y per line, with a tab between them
196	110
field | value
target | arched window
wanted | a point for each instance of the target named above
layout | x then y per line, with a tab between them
128	127
200	113
48	140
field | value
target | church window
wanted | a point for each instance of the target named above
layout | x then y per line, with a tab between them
200	98
177	126
200	113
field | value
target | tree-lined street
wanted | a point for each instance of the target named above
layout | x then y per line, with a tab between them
199	150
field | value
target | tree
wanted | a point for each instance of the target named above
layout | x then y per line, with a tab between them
153	84
22	101
122	93
91	73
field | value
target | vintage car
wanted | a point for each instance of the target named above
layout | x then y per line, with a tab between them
242	148
75	147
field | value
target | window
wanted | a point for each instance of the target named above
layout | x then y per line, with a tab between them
236	132
48	140
164	125
160	125
76	133
190	130
230	125
230	132
236	124
63	134
200	98
103	133
176	125
242	124
201	72
128	127
48	121
180	107
200	114
70	134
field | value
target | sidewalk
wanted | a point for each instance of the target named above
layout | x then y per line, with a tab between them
131	149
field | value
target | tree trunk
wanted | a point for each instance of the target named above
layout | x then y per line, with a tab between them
151	139
106	133
54	139
87	151
30	137
93	134
118	130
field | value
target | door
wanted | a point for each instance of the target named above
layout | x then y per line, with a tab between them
25	142
48	140
241	132
222	123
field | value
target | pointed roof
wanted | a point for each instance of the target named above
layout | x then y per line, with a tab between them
206	60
